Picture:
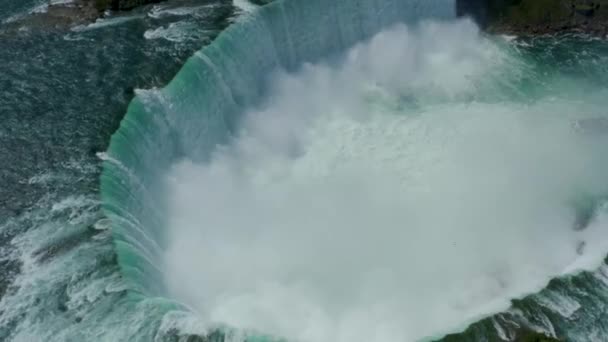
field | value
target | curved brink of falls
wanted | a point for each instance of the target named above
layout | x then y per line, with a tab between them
207	96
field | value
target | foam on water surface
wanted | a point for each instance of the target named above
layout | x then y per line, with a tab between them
245	5
174	32
105	22
161	11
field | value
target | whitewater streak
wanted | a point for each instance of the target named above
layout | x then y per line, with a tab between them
391	193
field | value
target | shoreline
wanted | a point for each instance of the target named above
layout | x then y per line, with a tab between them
64	16
540	32
508	17
539	17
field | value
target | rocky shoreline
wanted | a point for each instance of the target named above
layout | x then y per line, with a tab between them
538	17
77	12
513	17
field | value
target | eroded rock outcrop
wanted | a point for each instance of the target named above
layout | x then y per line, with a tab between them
538	16
120	5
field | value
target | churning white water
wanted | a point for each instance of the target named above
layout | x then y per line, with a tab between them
383	200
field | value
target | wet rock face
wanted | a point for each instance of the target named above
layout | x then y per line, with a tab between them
261	2
483	11
531	336
58	17
103	5
538	16
118	5
122	5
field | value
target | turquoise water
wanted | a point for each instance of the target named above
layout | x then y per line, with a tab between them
63	93
70	279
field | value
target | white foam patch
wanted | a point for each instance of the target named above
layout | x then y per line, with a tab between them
175	32
61	2
508	37
159	12
244	5
106	22
373	202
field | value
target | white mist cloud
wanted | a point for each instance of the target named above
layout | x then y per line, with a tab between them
374	201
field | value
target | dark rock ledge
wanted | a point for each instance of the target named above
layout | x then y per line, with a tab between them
536	17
